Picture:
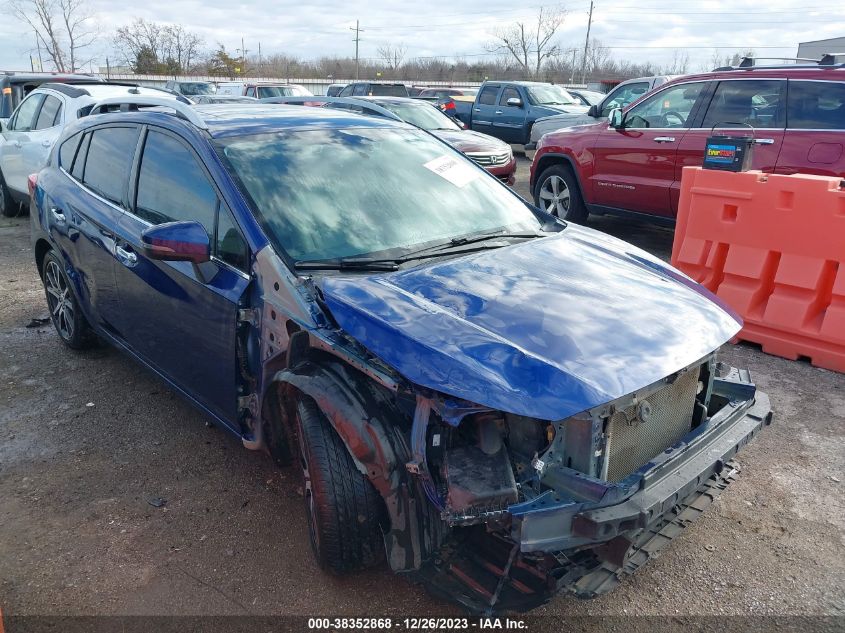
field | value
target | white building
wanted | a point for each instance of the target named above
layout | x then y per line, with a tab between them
814	50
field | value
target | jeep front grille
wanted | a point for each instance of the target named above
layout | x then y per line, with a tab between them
633	441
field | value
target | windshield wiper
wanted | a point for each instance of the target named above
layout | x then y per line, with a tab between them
392	264
348	263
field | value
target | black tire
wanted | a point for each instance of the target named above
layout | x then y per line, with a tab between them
71	326
555	182
9	207
345	512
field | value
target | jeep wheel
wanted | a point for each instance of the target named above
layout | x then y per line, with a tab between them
557	193
70	323
345	512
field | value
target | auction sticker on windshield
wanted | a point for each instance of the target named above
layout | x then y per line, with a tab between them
454	170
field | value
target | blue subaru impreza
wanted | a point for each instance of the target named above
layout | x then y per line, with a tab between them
502	403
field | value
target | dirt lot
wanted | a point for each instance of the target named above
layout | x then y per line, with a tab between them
86	440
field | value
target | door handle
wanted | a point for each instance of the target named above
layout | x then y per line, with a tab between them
664	139
58	216
16	143
126	257
46	143
764	141
498	111
477	109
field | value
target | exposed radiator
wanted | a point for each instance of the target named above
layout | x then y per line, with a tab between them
640	432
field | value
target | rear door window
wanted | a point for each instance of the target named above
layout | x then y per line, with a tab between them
78	170
109	161
754	102
50	114
816	105
172	185
24	118
488	95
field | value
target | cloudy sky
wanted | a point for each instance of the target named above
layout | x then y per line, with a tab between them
645	31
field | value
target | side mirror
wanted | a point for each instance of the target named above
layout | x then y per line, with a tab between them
594	111
615	119
177	242
514	102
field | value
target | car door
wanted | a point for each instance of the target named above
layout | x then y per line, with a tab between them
14	137
182	319
509	121
635	163
814	141
736	107
40	140
484	109
86	211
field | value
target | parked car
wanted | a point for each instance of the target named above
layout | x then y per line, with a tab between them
633	162
623	94
352	295
15	86
191	88
27	140
374	89
508	109
439	93
206	99
587	97
334	90
492	154
261	90
414	91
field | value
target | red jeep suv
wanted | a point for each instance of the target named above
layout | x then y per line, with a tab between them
631	163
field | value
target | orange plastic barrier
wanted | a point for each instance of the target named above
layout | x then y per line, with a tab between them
773	248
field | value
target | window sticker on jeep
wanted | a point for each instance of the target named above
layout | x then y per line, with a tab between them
454	170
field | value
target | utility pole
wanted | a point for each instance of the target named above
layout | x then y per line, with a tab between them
586	45
38	44
357	39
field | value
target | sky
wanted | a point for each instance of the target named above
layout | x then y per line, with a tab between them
648	30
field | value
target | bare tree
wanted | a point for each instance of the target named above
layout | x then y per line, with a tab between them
393	56
63	27
530	44
154	48
680	63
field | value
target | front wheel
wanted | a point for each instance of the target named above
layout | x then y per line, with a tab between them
557	193
345	512
70	323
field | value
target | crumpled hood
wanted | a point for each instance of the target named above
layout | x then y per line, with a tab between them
469	141
546	328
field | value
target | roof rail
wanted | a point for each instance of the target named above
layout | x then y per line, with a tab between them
126	103
829	59
372	106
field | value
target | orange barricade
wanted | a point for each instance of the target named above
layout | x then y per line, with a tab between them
773	248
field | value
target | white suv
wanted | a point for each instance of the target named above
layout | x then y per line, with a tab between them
35	125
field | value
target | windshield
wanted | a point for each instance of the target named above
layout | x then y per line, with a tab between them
330	193
550	95
422	115
197	88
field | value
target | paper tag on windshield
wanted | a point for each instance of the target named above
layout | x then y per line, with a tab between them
453	169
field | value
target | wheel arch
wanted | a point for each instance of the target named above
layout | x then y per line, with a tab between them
365	416
551	159
42	247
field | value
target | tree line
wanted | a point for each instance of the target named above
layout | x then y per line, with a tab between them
66	30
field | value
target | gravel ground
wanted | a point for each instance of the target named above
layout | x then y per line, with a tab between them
88	439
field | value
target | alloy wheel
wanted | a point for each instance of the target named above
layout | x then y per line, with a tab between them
59	300
555	195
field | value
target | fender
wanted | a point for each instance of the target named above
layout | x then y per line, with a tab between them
370	425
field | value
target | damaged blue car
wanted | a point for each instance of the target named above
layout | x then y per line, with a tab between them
500	403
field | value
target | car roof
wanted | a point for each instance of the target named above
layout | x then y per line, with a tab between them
243	119
16	77
99	91
792	71
393	100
